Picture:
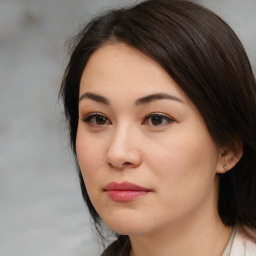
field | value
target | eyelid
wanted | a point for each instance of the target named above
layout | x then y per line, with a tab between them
92	115
169	119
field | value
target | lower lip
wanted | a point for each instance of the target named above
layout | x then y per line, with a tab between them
125	195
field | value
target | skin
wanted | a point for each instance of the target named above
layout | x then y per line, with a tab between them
175	157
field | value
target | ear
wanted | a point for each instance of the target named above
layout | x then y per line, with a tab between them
228	158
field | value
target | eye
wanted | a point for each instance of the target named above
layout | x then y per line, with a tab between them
96	119
157	120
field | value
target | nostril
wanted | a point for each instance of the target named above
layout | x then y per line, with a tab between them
124	158
126	163
120	166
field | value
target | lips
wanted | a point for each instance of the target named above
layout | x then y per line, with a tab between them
125	191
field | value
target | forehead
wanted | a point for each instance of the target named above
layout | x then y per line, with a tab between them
119	67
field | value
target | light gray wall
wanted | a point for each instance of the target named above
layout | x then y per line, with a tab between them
41	209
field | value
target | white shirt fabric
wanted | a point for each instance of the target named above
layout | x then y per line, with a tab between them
242	245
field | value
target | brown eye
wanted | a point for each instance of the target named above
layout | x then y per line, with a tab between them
100	120
157	120
96	120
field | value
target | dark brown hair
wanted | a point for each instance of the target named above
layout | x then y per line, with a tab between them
208	62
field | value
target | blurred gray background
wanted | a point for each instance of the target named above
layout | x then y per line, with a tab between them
41	210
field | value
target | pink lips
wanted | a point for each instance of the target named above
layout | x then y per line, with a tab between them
125	191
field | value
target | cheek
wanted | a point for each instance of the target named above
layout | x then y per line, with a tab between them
90	159
184	154
184	172
89	155
185	164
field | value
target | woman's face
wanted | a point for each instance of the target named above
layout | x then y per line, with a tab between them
147	159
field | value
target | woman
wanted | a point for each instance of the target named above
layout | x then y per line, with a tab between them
160	99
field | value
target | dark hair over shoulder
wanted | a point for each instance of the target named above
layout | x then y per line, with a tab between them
207	61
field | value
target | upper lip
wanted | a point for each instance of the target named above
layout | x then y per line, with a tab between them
124	186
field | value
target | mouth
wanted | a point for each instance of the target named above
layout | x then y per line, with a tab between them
125	191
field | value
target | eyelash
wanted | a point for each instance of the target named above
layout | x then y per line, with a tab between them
158	115
88	119
91	119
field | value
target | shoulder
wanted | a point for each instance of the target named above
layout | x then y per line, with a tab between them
244	244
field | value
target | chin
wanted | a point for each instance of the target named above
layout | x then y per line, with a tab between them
128	226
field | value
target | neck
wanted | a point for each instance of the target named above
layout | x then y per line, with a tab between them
199	233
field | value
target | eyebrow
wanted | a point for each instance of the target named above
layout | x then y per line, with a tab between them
95	97
156	96
141	101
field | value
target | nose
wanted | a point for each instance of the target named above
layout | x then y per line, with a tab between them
124	151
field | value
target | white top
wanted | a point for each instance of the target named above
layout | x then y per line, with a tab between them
240	245
230	243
